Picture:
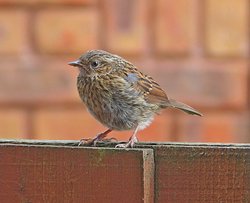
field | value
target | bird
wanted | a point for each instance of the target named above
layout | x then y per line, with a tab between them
120	96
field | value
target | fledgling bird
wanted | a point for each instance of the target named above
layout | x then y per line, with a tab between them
118	95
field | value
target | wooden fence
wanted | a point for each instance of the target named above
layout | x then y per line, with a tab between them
60	171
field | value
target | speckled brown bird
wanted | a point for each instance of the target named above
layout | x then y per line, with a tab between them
118	95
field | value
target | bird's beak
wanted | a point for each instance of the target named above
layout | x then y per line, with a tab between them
75	63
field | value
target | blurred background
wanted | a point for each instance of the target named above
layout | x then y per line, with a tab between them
197	50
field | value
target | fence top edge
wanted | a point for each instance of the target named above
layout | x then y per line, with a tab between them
74	143
144	151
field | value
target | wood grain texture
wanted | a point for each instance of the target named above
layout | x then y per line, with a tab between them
59	171
202	174
73	174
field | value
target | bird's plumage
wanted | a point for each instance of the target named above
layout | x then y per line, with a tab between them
118	95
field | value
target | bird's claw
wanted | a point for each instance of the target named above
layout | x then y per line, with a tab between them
129	144
86	142
93	142
121	146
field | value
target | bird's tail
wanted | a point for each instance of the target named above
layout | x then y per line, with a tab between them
181	106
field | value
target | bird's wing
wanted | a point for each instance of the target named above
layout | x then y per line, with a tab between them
151	90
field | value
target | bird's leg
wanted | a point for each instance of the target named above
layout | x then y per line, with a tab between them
132	140
100	136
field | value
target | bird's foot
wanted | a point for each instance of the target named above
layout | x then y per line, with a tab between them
93	141
129	144
86	142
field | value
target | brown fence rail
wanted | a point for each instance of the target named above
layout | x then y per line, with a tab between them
60	171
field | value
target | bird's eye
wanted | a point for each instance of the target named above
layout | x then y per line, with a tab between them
94	64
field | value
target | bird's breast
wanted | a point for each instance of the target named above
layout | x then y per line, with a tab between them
114	104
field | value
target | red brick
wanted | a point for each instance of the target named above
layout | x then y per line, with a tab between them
81	2
226	27
213	84
173	26
125	25
72	2
214	127
78	123
66	30
39	2
37	81
13	21
63	123
13	123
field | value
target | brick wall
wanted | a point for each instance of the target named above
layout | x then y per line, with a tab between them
197	50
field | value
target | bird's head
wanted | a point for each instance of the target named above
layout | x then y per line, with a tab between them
97	63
